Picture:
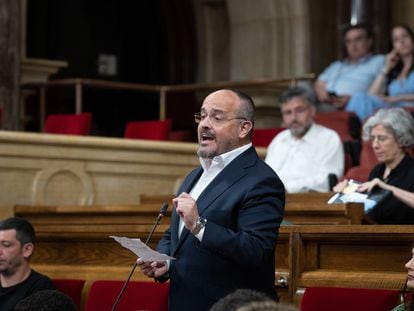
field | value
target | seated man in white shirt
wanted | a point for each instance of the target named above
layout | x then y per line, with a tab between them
306	153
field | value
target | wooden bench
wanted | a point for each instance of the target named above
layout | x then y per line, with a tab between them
301	208
73	242
363	256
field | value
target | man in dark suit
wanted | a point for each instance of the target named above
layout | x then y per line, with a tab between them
227	215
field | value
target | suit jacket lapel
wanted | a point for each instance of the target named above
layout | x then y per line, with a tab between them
187	185
225	179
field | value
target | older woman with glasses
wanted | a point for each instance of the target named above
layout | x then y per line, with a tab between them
391	131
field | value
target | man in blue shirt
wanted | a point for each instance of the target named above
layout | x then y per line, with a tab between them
354	73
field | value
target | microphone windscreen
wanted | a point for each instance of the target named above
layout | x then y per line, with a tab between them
164	208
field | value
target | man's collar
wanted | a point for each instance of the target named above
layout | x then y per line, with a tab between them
225	158
360	60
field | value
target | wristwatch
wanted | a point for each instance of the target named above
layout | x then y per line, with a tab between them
200	224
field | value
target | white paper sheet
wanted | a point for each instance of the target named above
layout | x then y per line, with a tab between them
140	249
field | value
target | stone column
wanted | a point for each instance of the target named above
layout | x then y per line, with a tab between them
268	39
9	62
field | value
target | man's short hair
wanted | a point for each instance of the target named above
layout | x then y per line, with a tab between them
296	91
368	33
24	229
46	300
239	298
247	108
363	26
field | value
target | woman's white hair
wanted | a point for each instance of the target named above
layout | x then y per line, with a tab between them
398	121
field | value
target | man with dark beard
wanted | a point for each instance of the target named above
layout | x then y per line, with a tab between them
227	214
17	279
306	153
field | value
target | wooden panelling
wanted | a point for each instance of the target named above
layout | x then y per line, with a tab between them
73	242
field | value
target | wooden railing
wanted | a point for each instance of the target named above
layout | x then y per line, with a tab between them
162	90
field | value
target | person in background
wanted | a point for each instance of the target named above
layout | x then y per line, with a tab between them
353	74
46	300
391	131
267	306
409	285
239	298
227	213
17	279
306	153
394	85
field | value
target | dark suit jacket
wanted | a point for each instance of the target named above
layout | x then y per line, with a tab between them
244	207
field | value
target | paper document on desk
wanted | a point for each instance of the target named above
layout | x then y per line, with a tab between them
350	194
140	249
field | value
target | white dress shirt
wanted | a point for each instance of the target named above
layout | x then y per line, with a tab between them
212	167
304	164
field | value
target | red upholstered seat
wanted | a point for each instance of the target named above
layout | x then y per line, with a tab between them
180	135
348	127
347	299
367	161
149	296
345	123
154	130
72	288
69	124
263	137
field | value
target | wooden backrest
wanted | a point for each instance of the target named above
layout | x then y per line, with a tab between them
301	208
345	299
363	256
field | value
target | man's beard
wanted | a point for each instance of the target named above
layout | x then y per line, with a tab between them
301	131
10	267
210	154
207	154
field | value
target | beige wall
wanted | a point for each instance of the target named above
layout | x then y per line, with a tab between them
402	12
41	169
268	38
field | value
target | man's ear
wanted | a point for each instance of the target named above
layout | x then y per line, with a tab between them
245	128
28	250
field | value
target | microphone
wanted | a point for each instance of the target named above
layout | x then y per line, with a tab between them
161	214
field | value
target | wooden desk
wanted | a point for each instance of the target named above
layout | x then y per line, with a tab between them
370	256
301	208
73	242
312	208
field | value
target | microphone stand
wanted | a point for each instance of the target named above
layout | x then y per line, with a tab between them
161	214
